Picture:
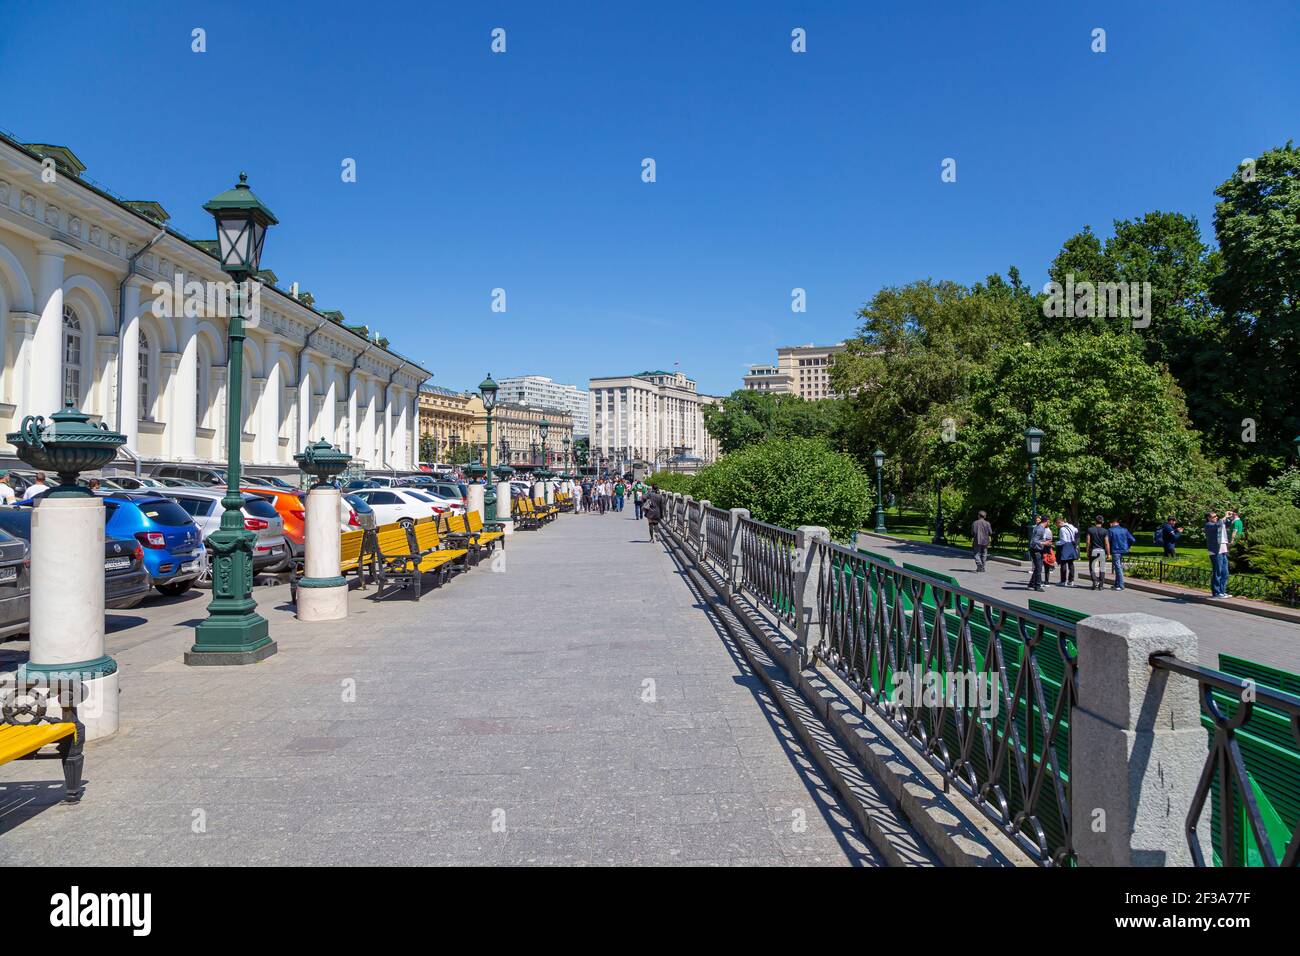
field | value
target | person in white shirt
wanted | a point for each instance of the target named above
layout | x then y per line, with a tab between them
39	487
1067	551
7	493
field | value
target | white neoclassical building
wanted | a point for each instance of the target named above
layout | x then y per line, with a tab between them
650	416
79	274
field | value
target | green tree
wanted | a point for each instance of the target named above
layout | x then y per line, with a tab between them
747	417
1117	436
1257	222
428	448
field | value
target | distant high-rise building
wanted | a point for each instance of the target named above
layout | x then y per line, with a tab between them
541	392
802	370
650	417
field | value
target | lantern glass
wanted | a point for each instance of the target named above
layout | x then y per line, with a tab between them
878	457
241	228
543	427
1033	442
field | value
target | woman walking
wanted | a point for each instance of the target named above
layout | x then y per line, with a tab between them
653	511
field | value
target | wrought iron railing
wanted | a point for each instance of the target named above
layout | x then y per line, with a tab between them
1243	718
1193	576
717	538
767	555
983	689
694	522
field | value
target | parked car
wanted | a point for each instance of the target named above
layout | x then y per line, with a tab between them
200	473
402	505
203	507
292	511
359	514
269	481
126	582
164	483
455	490
356	484
170	540
382	481
15	584
132	483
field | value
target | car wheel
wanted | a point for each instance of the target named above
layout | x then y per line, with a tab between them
175	588
406	523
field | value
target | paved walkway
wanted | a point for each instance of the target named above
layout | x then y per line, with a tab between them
1220	630
512	698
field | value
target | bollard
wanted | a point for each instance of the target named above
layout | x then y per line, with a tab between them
474	500
806	577
505	508
322	592
1137	747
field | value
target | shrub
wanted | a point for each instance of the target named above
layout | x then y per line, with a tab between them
790	482
673	481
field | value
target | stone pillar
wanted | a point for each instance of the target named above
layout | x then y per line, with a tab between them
67	606
322	592
505	513
702	542
128	367
548	491
806	570
1137	747
538	490
45	377
474	499
733	535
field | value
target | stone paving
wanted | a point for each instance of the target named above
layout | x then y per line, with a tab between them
499	720
1221	630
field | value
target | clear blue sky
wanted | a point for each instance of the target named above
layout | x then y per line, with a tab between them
775	170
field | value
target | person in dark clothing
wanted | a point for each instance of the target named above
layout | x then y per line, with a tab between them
1040	538
653	510
1121	539
1067	551
1098	550
981	533
1168	536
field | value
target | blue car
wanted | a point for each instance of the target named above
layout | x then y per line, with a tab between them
171	541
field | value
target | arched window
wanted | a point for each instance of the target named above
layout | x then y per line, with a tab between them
71	357
143	359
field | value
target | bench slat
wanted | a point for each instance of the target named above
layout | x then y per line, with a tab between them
19	741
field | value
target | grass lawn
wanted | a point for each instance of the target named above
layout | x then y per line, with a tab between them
912	526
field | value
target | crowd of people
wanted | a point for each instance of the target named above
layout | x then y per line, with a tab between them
1056	543
604	494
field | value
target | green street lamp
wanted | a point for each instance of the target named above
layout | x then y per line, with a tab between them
487	389
566	452
234	632
542	428
878	457
1033	447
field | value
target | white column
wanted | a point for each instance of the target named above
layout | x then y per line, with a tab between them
45	381
354	396
322	592
168	364
128	367
504	510
305	398
254	418
367	424
390	448
217	384
183	417
269	425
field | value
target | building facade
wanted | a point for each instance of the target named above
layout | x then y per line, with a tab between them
90	315
448	418
542	392
520	428
647	417
802	370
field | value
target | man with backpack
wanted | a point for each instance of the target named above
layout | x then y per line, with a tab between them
1167	535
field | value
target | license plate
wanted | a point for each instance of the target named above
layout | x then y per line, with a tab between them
275	551
117	564
190	566
8	575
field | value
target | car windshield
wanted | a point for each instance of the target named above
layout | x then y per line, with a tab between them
164	512
195	506
359	504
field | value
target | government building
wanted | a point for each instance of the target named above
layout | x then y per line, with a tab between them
80	273
652	417
802	370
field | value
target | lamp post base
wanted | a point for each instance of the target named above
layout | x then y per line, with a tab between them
204	656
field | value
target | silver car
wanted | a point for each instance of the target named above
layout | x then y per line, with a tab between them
204	506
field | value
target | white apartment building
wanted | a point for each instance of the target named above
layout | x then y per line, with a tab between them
538	391
80	271
802	370
647	417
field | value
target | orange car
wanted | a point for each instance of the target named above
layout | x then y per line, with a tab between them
289	506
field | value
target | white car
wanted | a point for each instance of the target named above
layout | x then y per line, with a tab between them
405	506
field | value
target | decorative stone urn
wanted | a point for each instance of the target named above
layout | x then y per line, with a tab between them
67	445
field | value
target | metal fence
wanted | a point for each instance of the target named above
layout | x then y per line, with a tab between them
1193	576
983	689
1244	719
717	538
767	564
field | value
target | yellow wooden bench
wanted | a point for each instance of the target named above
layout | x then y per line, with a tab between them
351	560
525	515
426	544
26	730
548	512
469	529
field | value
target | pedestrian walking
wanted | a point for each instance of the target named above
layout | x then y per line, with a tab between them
1121	540
620	492
638	498
1040	539
1218	538
981	534
1098	544
1067	551
653	510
